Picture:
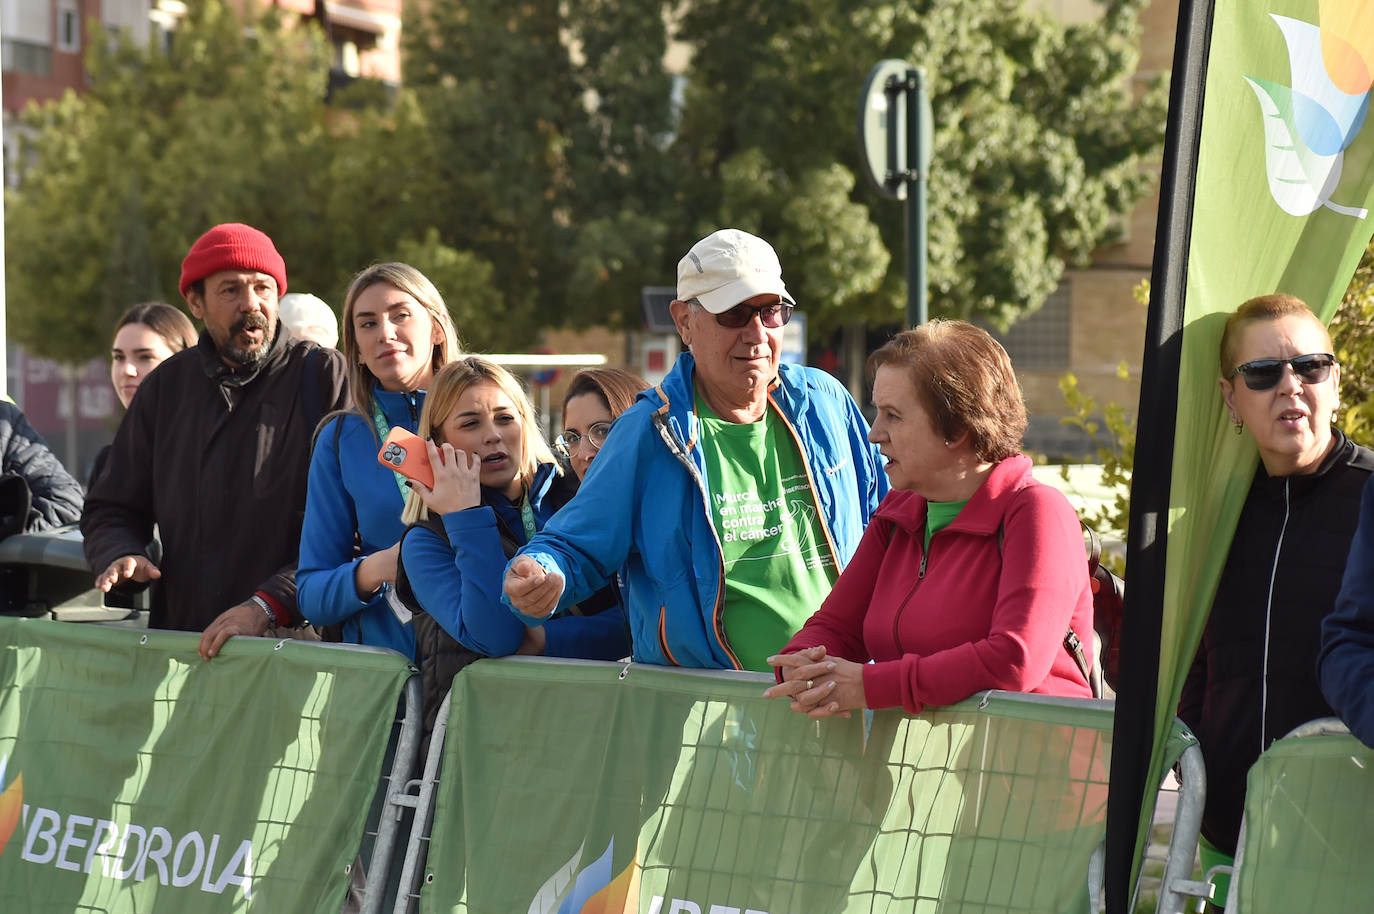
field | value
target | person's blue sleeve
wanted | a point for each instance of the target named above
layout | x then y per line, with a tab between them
868	462
604	636
325	589
1345	665
590	537
460	585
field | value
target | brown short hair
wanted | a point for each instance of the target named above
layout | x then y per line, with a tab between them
616	387
1262	308
964	379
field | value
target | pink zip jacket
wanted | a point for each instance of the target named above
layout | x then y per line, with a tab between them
972	614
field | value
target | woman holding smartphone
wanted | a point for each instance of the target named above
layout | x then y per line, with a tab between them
396	334
496	484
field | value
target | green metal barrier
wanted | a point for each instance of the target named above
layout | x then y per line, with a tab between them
1308	835
135	777
581	787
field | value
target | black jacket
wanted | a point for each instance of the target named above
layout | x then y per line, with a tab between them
218	460
1295	532
441	655
54	497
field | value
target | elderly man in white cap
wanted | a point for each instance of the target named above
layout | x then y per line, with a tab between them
731	495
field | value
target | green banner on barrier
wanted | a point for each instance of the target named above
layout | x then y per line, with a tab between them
567	789
135	777
1308	832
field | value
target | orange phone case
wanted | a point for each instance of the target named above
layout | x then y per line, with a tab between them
404	452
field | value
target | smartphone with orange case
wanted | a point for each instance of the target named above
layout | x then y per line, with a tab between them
404	452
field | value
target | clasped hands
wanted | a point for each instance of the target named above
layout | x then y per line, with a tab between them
817	685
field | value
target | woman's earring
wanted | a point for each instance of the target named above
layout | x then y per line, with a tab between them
1235	420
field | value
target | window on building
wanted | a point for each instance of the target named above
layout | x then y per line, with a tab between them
25	57
1040	342
68	27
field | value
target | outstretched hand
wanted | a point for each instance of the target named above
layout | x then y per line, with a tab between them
532	589
137	568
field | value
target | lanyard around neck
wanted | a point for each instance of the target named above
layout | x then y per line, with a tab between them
383	429
527	516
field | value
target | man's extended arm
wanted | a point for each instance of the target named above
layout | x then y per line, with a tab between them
117	520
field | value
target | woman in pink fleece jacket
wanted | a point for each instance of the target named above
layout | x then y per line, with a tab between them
971	573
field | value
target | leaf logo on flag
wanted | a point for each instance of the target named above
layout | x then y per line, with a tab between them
11	800
1309	125
591	890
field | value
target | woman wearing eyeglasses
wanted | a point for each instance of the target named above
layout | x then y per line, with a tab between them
1254	677
595	398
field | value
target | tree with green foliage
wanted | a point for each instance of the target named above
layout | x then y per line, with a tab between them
1039	138
118	181
548	127
1352	335
228	124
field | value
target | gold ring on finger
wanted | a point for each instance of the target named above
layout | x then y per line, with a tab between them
809	684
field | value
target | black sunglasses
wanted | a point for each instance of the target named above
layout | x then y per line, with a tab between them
773	316
1263	374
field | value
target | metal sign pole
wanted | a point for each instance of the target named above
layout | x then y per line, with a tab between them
895	130
917	155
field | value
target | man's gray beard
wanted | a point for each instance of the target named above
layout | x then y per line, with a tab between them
246	358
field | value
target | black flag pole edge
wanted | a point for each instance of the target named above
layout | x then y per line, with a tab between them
1147	538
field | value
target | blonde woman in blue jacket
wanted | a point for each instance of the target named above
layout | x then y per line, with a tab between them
396	335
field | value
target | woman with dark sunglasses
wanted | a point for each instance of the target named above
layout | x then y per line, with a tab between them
1254	677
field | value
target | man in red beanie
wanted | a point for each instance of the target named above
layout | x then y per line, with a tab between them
215	450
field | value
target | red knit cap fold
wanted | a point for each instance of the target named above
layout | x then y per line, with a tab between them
232	246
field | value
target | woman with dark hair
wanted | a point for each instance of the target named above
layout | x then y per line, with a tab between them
972	575
145	336
1254	677
595	398
396	335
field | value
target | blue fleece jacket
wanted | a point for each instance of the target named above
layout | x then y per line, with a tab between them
1345	666
643	506
350	491
460	585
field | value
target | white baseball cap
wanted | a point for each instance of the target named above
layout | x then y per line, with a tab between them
727	267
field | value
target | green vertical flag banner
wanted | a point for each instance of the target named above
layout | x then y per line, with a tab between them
136	777
1285	184
571	788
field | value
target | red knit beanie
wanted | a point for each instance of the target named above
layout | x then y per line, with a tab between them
232	246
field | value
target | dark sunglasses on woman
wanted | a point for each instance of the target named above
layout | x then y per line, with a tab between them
1263	374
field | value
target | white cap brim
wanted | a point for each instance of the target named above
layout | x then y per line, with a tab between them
720	300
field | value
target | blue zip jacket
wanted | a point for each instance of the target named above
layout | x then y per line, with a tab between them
459	585
643	506
350	491
1345	666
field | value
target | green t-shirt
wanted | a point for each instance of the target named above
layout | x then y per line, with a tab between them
778	567
939	515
